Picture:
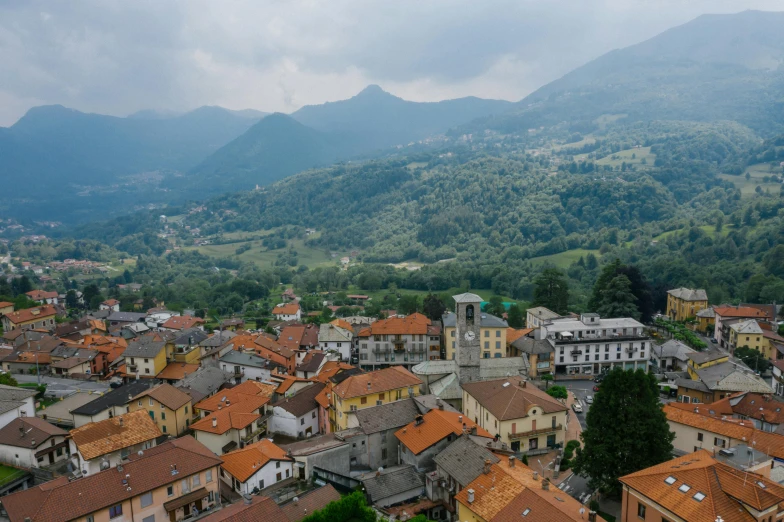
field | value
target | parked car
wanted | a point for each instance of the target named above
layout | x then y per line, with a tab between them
577	407
596	388
713	340
589	399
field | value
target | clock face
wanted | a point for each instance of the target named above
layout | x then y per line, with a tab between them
470	336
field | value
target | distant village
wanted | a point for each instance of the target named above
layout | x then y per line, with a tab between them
147	415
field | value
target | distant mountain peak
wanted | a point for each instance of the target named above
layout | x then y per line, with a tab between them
373	90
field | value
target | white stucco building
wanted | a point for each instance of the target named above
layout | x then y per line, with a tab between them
256	467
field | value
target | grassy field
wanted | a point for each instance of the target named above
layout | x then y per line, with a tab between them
306	255
626	156
756	175
605	119
588	140
564	259
378	295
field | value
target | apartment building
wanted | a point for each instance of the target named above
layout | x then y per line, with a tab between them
398	341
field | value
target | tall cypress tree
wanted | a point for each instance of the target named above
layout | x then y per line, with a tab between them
626	430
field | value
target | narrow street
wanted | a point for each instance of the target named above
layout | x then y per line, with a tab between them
58	387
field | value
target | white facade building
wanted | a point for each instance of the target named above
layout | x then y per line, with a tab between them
335	339
590	345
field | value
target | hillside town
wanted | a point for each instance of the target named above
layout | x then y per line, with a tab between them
147	415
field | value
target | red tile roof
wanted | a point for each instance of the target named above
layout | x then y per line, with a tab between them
182	322
414	324
435	426
242	392
243	463
739	311
31	314
511	398
286	309
175	371
99	438
40	295
376	382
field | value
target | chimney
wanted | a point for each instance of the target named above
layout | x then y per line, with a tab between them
545	484
523	384
214	422
592	516
440	404
486	469
418	420
460	418
369	384
473	430
247	499
470	496
511	461
536	475
122	422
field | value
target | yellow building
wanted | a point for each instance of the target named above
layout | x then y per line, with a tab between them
492	336
706	320
370	389
6	307
145	357
683	303
523	416
38	317
702	360
747	334
168	406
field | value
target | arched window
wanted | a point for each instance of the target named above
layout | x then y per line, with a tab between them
470	314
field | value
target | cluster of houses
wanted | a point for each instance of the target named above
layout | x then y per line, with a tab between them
425	417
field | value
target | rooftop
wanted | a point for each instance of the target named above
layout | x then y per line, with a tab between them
375	382
390	483
286	309
115	397
464	460
99	438
689	294
23	432
511	398
243	463
391	415
435	426
166	394
486	320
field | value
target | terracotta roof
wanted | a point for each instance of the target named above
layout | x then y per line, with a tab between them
99	438
236	416
291	336
5	304
260	508
31	314
309	502
436	425
22	431
512	334
287	382
497	496
166	394
40	295
181	322
760	407
376	382
511	398
237	394
722	486
330	369
176	371
343	324
61	500
414	324
738	311
111	302
243	463
260	343
323	397
286	309
29	357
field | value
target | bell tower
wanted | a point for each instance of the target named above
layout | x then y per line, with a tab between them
467	341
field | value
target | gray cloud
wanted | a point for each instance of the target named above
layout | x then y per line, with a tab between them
117	57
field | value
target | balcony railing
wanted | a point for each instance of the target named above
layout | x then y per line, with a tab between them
531	433
399	340
600	339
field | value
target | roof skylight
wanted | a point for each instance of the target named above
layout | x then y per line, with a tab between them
684	488
670	480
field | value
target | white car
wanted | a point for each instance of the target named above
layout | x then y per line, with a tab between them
577	407
589	399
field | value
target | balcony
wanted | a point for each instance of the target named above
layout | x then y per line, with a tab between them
132	368
399	341
609	338
531	433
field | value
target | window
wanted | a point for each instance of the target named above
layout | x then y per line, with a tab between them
287	473
699	437
641	511
277	464
196	480
151	518
383	454
146	370
146	499
170	491
719	442
363	400
302	421
498	345
115	511
684	488
699	497
146	360
487	333
90	518
381	396
151	402
140	403
163	415
487	345
185	486
278	477
209	475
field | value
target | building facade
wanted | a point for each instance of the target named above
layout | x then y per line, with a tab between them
684	303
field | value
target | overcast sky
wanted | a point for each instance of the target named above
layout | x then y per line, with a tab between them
119	57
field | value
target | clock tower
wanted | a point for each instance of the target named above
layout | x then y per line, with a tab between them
468	343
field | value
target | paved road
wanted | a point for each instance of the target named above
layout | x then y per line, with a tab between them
581	390
577	488
58	387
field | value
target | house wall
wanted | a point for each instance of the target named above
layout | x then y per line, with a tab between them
246	372
492	341
90	467
27	410
114	411
464	513
169	421
755	341
25	457
400	497
680	310
342	416
270	474
334	459
377	443
149	367
687	439
424	461
286	423
343	348
214	441
513	431
38	322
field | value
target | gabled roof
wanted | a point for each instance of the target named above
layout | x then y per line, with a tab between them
485	320
673	348
206	380
513	334
236	416
391	483
12	393
311	362
244	463
126	317
303	401
738	311
286	309
31	314
309	502
435	426
414	324
464	460
689	294
376	382
61	500
331	333
747	327
40	295
391	415
145	347
721	486
167	395
22	432
218	339
260	508
728	376
249	359
174	371
511	398
115	397
182	322
242	392
99	438
190	336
